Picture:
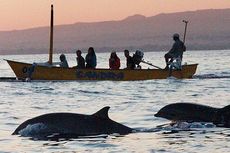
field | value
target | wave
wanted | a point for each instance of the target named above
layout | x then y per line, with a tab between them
178	126
9	79
212	76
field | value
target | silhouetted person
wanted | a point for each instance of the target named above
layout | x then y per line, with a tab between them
176	51
114	61
63	62
91	59
80	60
137	58
129	60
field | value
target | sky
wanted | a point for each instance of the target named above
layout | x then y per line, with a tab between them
23	14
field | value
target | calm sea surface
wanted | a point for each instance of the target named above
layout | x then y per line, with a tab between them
132	103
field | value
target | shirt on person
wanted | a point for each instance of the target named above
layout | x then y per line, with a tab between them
91	61
80	62
114	63
130	63
177	49
64	64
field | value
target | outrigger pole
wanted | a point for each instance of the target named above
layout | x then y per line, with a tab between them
51	38
185	30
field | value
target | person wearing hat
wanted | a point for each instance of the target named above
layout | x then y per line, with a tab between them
176	51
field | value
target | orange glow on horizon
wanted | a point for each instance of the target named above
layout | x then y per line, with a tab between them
24	14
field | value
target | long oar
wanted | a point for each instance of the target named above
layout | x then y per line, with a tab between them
151	64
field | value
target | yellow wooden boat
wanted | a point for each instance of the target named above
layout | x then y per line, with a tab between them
38	72
49	72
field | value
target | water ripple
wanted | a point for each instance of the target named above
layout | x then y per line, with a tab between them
132	103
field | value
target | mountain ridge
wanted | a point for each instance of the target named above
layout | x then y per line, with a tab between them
207	29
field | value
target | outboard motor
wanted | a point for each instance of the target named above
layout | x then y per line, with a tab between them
137	57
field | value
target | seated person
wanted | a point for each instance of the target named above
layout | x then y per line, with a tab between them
129	60
137	58
63	62
80	60
91	59
114	61
176	51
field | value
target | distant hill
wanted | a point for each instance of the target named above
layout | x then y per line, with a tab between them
207	29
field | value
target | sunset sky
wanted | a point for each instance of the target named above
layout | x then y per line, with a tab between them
22	14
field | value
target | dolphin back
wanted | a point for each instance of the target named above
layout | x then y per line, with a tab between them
222	117
71	125
189	112
226	109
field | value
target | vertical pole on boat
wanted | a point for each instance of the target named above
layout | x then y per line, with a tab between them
51	38
185	30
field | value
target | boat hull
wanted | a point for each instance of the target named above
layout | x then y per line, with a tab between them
23	71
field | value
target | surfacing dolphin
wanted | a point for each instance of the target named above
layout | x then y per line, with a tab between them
196	113
70	125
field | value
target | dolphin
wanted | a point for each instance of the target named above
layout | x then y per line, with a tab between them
190	112
70	125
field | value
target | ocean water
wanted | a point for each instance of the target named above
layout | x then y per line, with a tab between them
133	103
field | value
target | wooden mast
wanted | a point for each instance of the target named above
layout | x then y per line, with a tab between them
51	38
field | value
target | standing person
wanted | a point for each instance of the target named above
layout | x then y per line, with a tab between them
63	62
80	60
176	51
91	59
129	60
114	61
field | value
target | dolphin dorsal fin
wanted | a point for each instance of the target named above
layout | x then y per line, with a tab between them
225	109
102	113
